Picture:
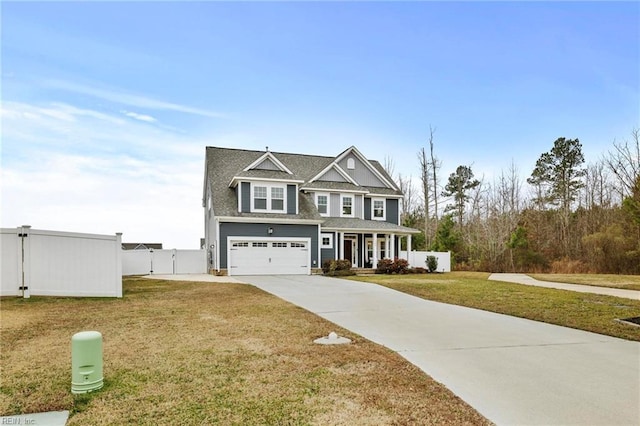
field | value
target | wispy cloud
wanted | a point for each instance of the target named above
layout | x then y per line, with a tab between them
72	168
140	101
141	117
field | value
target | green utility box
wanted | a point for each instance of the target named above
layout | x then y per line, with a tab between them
86	362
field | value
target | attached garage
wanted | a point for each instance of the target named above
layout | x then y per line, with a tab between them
268	256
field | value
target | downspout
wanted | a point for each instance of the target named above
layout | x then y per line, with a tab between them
217	248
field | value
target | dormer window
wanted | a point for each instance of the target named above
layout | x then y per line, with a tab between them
277	198
260	198
268	198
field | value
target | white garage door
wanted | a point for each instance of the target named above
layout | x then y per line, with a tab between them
269	256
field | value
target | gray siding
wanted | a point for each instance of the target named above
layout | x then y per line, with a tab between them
245	193
392	211
267	164
292	199
332	176
329	254
260	230
357	205
361	173
367	208
335	205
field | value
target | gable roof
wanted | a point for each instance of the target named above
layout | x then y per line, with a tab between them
268	157
380	174
334	167
224	167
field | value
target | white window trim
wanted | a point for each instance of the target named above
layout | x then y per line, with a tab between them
322	237
378	249
269	209
328	213
353	205
384	209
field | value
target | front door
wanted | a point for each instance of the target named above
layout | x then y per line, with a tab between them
350	250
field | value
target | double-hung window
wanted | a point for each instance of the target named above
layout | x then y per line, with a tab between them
378	206
277	198
260	197
322	202
268	198
347	205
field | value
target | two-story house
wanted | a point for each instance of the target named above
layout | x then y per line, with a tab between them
281	213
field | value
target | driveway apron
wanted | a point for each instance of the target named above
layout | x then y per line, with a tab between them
512	370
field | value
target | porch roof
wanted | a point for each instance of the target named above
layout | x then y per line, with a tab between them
348	224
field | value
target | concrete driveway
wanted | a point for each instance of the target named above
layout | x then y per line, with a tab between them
513	371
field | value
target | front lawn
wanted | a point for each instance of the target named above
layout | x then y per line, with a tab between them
178	353
583	311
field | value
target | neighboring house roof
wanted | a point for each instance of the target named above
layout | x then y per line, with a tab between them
354	224
225	165
141	246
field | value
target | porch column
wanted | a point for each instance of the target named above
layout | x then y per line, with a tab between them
392	247
340	245
386	245
374	261
408	248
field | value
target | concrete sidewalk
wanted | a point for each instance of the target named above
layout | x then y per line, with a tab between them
513	371
527	280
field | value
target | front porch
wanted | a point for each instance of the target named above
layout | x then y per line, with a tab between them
363	249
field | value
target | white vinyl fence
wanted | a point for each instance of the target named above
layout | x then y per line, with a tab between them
52	263
151	261
417	259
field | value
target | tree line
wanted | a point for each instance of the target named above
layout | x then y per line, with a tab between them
566	216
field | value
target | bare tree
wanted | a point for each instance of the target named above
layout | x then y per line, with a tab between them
435	166
425	168
408	201
429	166
624	162
389	165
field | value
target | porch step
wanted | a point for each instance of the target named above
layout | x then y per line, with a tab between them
364	271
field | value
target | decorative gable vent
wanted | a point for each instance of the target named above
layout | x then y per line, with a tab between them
351	163
267	164
268	161
333	173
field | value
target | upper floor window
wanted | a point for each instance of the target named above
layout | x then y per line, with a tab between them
260	197
322	202
268	198
378	209
347	205
277	198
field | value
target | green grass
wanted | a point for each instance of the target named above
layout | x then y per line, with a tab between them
178	353
627	282
584	311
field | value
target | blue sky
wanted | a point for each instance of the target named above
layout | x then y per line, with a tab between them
107	107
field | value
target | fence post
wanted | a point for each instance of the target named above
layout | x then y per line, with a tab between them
174	260
118	277
25	260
